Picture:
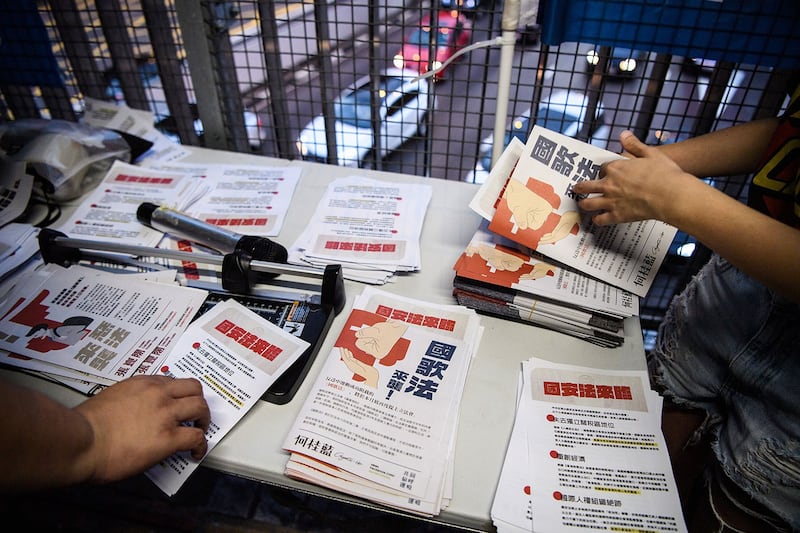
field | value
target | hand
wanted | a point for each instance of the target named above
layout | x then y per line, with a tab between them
642	187
140	421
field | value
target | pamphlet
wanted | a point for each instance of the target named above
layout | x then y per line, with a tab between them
590	445
537	208
237	355
381	417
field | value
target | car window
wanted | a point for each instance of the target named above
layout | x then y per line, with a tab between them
403	101
353	107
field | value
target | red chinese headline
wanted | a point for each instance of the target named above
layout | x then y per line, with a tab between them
238	221
249	340
144	179
588	390
366	247
416	318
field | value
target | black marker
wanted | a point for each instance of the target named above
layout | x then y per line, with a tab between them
215	237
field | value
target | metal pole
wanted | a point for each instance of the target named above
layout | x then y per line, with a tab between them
509	25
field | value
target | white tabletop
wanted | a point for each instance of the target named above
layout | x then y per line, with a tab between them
253	448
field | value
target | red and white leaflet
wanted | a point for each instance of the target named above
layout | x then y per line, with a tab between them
236	355
384	407
370	227
597	455
95	322
538	209
108	213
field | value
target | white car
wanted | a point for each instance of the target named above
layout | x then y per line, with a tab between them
403	112
562	111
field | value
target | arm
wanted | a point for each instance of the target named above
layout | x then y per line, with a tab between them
122	431
651	185
727	152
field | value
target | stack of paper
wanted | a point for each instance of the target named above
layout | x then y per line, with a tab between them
586	452
89	328
18	244
381	418
503	278
109	212
237	355
368	226
528	200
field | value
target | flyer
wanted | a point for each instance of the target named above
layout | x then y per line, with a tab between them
236	355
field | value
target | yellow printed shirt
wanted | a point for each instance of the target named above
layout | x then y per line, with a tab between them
775	189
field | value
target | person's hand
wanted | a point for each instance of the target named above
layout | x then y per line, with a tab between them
142	420
642	187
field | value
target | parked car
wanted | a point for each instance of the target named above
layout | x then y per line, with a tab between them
562	111
454	32
256	133
699	65
403	107
468	7
621	61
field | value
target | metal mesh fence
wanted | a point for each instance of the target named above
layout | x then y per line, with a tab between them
258	73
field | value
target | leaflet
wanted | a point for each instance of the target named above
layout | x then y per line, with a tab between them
370	227
596	452
381	417
109	212
245	199
537	208
237	355
92	321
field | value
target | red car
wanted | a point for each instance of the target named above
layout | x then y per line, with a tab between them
454	33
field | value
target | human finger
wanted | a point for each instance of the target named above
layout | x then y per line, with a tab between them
192	439
192	409
588	186
182	387
594	203
631	145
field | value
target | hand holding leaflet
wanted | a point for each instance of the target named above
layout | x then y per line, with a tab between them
236	355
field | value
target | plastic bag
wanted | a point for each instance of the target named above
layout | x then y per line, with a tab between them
67	158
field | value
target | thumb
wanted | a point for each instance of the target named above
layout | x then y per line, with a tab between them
631	144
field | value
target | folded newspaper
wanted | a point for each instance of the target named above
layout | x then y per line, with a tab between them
380	420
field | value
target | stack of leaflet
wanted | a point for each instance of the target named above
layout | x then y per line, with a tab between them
586	451
18	245
87	328
380	420
542	261
108	213
500	277
368	226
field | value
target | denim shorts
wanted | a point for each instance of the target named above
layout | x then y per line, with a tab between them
730	346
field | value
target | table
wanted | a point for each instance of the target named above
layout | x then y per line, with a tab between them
253	448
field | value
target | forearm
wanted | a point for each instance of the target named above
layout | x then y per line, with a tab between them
760	246
731	151
43	443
